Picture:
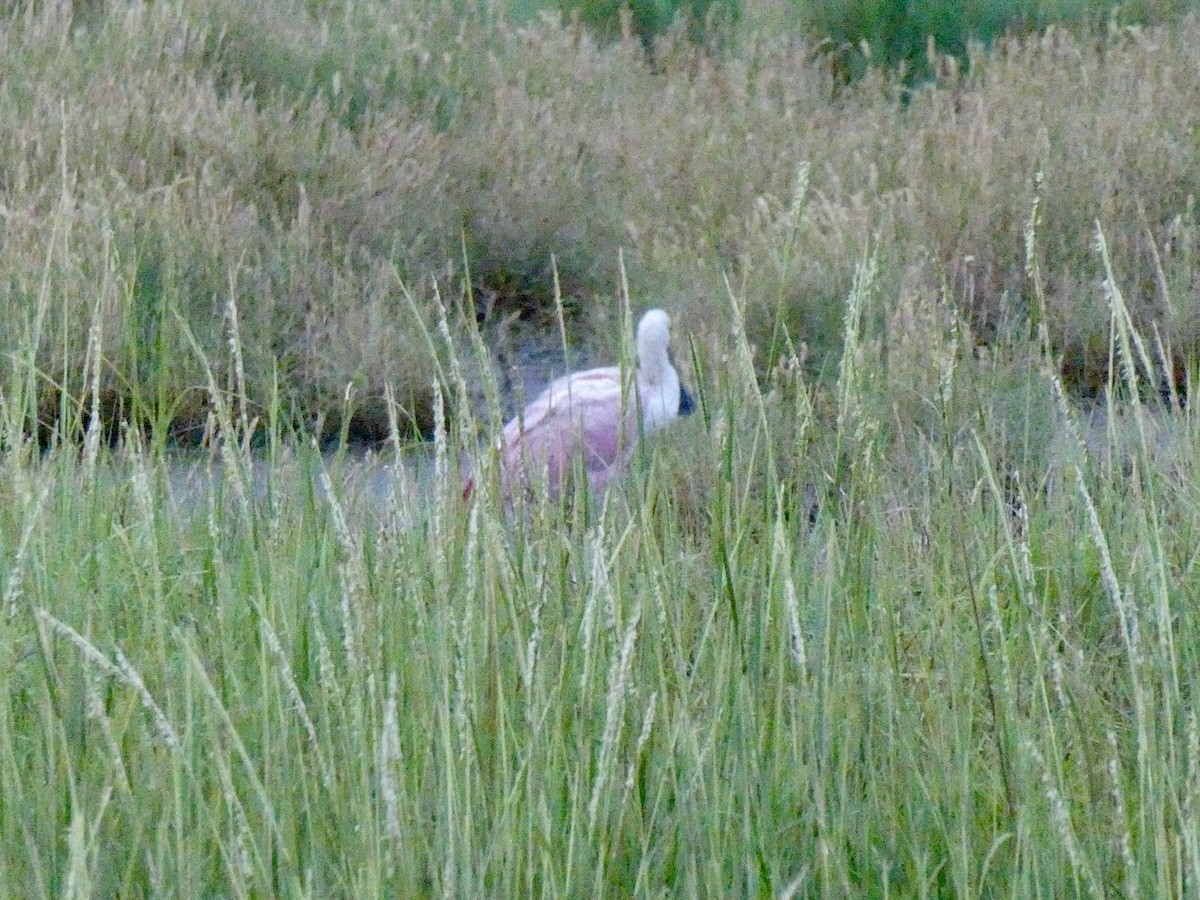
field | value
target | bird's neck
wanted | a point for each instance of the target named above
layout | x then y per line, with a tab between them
651	376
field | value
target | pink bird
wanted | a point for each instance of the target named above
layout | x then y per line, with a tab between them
584	417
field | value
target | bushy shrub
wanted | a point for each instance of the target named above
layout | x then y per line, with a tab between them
899	35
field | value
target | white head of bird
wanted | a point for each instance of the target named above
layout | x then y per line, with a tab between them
585	417
659	390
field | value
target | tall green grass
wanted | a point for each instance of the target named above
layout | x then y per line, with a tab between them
890	614
926	632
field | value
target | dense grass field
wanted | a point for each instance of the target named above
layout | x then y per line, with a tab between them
909	607
804	648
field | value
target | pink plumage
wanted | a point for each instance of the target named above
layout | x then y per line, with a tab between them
587	419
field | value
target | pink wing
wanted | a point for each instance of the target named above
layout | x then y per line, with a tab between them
577	417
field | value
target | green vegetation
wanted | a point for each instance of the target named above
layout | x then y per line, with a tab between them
971	674
900	35
890	615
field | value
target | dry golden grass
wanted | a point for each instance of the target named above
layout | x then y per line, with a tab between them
165	161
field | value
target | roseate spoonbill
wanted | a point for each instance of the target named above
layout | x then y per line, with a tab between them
584	417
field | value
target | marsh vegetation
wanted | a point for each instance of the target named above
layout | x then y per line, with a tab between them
908	606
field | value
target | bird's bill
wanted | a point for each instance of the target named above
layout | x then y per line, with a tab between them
687	405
